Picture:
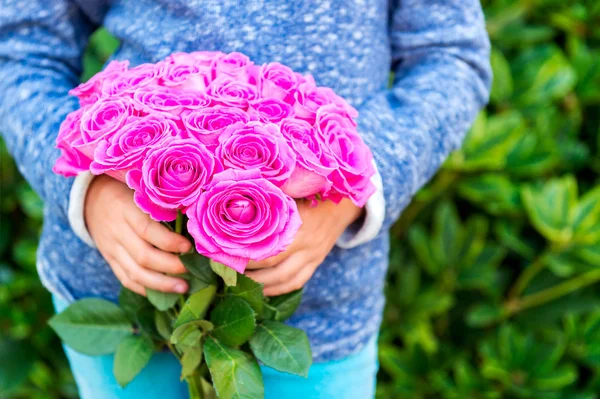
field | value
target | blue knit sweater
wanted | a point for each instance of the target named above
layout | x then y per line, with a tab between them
437	49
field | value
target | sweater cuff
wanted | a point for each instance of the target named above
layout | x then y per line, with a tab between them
368	227
76	205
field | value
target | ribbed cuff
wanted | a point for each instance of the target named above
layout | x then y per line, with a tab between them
76	205
357	234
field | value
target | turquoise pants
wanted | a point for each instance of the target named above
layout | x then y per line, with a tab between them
353	377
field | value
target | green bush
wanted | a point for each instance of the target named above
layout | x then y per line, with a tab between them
495	265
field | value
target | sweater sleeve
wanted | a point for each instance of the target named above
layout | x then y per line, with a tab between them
41	46
442	78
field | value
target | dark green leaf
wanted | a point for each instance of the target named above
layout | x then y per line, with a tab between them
92	326
282	347
235	374
250	291
146	321
282	307
16	362
199	266
162	324
234	321
483	314
131	303
133	354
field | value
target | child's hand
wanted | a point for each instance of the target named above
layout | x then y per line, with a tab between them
137	248
321	227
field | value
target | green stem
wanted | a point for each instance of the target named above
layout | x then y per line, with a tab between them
179	223
195	386
553	293
526	276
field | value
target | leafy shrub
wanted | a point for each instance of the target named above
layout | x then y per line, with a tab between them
495	265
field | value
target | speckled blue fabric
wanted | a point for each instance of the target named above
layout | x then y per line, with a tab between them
438	50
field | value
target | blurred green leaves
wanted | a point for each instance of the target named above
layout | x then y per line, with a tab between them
495	266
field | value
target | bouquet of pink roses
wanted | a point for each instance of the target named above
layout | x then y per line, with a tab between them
228	146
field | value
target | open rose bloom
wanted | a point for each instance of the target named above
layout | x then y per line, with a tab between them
227	143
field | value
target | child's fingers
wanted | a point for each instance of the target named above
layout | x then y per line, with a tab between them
273	261
281	273
148	278
148	257
297	282
122	277
155	233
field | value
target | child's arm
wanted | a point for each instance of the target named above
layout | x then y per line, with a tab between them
440	52
41	46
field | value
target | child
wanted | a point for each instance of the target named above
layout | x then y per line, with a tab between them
96	239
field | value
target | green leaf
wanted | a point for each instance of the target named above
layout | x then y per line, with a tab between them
447	234
146	321
131	303
190	333
502	87
92	326
585	217
483	314
162	324
228	275
282	307
133	354
250	291
282	347
199	267
162	301
190	361
234	321
489	150
17	359
549	207
495	193
196	305
235	374
420	242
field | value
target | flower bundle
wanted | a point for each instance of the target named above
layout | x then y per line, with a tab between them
227	146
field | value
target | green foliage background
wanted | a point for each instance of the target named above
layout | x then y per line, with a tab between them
495	267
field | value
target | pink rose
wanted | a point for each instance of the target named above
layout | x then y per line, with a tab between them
71	162
125	150
172	177
228	91
207	124
202	59
270	110
169	100
309	98
314	163
90	91
236	65
185	76
354	160
278	81
257	146
135	78
242	216
102	120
